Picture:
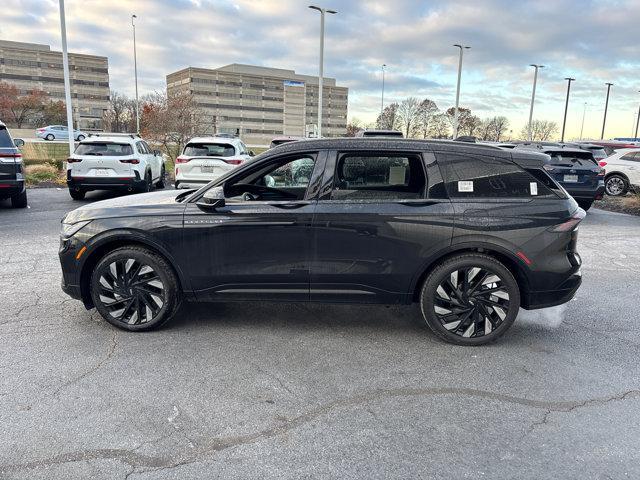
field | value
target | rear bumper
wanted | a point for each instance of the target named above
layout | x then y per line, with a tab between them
187	184
551	298
104	183
585	193
10	188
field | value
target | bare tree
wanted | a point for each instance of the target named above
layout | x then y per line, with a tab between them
427	110
408	112
388	119
471	126
499	126
116	118
541	130
464	115
439	126
353	127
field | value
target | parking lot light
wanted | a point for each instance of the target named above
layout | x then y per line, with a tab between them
322	11
533	97
455	114
566	105
606	107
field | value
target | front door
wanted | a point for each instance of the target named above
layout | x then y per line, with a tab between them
258	245
380	217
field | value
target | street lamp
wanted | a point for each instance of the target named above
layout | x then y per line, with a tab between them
455	117
637	122
382	99
322	11
606	106
584	111
533	96
135	70
566	105
67	82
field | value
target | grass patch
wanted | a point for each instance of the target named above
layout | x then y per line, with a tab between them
43	174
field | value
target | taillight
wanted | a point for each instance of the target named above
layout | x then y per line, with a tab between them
182	159
40	130
74	160
570	224
602	164
10	155
234	161
132	161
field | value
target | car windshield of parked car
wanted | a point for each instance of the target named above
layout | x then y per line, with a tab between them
104	149
209	150
582	159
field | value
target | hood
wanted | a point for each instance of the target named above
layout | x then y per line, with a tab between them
143	204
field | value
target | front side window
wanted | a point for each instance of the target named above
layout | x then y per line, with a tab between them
378	177
487	177
104	149
209	150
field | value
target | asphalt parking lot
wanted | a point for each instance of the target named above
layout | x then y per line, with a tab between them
314	391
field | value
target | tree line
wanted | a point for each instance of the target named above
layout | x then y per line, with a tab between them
423	119
33	109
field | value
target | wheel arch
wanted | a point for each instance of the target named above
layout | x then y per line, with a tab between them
508	259
618	173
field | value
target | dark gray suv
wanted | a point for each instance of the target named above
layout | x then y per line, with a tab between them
470	232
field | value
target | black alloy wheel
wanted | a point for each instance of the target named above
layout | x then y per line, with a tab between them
135	289
470	299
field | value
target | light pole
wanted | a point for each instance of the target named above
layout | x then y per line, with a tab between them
67	82
584	111
566	105
606	106
533	97
322	11
455	114
637	122
135	71
382	99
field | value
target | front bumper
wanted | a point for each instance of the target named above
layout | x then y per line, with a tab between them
10	188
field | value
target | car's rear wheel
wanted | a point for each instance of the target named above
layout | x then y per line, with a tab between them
470	299
49	137
77	194
161	182
147	185
135	289
19	200
616	185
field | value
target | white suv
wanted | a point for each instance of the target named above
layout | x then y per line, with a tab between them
114	161
207	158
622	171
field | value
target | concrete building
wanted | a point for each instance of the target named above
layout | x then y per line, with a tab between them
262	102
31	66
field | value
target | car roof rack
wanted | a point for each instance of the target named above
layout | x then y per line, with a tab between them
107	134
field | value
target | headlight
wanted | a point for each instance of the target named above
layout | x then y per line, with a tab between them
70	229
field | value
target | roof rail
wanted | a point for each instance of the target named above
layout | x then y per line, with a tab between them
107	134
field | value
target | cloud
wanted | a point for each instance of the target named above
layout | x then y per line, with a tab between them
589	40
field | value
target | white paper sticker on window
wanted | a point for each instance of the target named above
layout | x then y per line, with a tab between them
465	186
396	175
534	188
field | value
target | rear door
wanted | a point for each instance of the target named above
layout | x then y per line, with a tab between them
152	160
380	216
631	166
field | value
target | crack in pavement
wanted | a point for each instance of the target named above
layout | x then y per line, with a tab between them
146	463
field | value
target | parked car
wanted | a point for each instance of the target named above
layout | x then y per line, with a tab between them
114	161
59	132
12	184
598	151
623	172
611	146
472	233
575	169
284	139
206	158
380	133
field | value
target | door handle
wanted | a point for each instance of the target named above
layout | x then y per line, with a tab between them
417	203
290	206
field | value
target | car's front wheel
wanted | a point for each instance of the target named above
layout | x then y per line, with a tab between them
80	138
470	299
135	289
616	185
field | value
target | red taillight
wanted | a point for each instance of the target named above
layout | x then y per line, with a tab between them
182	159
234	161
74	160
570	224
10	155
602	164
132	161
40	130
523	257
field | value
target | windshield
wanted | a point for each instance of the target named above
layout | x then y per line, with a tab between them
571	158
104	149
209	150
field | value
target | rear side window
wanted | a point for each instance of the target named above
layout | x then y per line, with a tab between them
209	150
5	139
633	156
104	149
371	177
487	177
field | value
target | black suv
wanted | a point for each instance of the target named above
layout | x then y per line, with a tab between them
471	232
12	183
575	169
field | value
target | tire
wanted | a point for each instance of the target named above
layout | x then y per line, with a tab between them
80	138
143	294
161	182
147	185
616	185
19	200
176	185
49	137
478	312
585	204
77	194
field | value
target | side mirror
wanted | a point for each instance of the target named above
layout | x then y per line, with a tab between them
212	199
251	154
18	142
157	152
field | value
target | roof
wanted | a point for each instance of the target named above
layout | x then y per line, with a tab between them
230	141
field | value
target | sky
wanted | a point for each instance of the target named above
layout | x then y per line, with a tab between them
592	41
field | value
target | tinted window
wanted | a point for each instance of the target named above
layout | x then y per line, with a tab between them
146	147
633	156
487	177
560	157
209	150
5	139
141	147
104	149
378	177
